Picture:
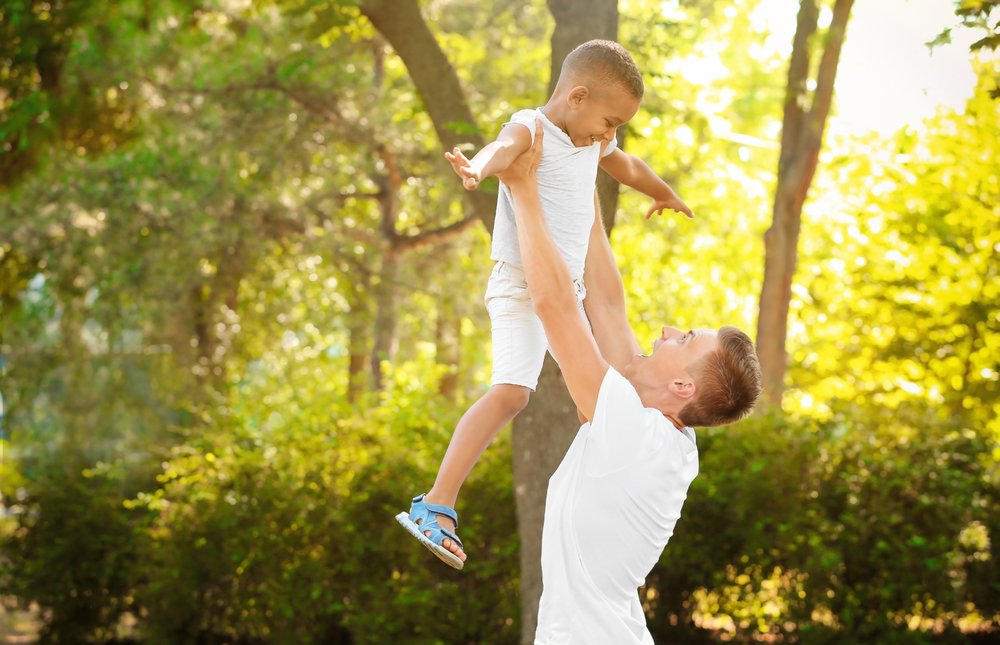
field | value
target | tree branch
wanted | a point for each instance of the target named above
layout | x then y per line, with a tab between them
827	74
434	236
798	76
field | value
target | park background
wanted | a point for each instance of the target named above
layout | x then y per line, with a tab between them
241	311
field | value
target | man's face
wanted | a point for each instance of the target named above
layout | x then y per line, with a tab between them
596	117
675	350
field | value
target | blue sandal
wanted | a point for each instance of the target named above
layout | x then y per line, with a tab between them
423	517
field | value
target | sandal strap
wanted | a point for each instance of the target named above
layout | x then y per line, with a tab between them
425	516
453	536
438	509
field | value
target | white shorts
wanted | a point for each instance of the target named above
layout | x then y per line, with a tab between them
519	342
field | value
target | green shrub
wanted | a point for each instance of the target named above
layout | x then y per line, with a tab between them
286	533
274	524
822	532
74	551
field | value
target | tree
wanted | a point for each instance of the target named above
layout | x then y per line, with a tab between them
976	14
801	139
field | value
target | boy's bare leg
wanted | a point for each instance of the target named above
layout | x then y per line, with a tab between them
472	435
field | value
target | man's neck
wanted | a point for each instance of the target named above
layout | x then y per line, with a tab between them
675	421
650	395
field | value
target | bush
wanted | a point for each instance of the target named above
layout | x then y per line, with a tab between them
287	535
274	524
74	551
822	532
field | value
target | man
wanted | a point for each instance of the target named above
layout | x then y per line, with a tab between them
614	500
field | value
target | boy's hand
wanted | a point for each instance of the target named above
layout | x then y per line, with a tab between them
463	168
523	168
673	203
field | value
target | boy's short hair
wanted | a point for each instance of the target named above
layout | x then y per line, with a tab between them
604	61
727	382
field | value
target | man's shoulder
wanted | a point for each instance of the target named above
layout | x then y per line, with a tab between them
616	385
620	395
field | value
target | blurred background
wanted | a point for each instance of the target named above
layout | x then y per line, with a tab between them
241	312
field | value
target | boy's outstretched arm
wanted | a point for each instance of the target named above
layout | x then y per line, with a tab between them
636	173
495	157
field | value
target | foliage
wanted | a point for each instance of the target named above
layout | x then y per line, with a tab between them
902	277
841	531
74	551
277	524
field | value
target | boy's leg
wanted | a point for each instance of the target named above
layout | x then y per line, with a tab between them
472	436
519	346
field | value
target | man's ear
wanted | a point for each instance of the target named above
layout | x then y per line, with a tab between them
682	387
577	95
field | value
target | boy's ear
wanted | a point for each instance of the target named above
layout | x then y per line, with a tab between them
577	95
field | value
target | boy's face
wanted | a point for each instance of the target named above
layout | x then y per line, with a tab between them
595	115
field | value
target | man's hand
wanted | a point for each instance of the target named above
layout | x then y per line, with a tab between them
522	169
673	202
463	168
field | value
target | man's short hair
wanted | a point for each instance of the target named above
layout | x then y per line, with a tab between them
604	62
727	382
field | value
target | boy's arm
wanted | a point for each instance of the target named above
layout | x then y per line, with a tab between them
493	158
634	172
551	286
605	301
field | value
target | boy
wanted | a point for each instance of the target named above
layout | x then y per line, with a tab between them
599	89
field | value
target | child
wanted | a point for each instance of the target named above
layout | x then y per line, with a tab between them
599	89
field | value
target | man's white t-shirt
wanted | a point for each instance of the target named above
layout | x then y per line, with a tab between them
566	179
611	508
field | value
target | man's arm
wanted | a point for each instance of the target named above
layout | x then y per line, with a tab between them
636	173
605	302
551	286
493	158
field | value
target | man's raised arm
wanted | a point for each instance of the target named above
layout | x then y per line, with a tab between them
605	302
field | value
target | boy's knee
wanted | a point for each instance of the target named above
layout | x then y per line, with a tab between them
514	397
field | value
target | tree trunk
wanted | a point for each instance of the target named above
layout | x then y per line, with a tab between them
448	343
359	350
578	21
801	139
384	347
544	431
402	25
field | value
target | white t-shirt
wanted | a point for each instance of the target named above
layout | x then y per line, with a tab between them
611	508
566	180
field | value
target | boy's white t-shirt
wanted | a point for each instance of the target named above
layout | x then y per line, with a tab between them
566	178
611	508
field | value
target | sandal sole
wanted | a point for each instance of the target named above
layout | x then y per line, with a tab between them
442	553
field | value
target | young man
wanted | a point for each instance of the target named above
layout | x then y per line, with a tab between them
614	500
